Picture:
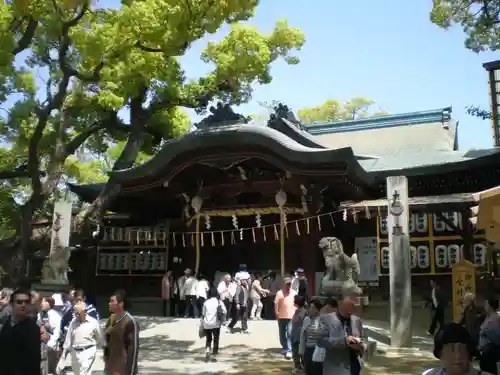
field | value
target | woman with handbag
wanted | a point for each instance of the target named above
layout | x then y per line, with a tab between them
312	356
213	316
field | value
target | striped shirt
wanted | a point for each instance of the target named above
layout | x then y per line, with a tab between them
312	331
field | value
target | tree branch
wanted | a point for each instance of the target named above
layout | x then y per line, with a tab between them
28	35
110	121
65	43
196	102
54	103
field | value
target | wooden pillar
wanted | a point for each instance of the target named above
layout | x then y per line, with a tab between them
399	261
197	245
281	200
282	242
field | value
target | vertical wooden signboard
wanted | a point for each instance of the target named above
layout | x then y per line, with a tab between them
463	275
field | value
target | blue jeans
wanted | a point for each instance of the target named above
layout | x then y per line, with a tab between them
284	333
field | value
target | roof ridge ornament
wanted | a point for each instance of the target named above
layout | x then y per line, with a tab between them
283	111
221	115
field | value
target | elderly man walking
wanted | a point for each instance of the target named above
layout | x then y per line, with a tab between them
83	337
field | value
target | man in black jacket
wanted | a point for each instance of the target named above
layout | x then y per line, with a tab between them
437	303
20	338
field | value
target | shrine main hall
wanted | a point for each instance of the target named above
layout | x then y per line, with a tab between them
263	194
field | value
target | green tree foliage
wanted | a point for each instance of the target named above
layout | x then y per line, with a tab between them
334	110
154	34
95	62
480	20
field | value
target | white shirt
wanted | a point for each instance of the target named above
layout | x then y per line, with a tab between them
54	321
295	284
226	291
179	287
202	288
434	299
190	286
83	334
241	275
209	313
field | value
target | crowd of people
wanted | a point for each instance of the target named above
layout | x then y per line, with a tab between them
481	322
326	337
58	333
53	334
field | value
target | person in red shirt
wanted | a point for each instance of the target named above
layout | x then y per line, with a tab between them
284	308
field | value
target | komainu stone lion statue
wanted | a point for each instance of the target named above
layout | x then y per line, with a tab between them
342	271
55	267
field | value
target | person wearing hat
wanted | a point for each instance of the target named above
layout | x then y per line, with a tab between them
284	307
454	346
242	274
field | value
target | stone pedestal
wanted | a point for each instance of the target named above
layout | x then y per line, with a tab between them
47	289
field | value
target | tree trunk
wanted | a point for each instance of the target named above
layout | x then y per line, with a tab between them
138	121
16	262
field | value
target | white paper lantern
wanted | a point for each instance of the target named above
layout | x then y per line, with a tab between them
479	250
421	223
413	256
439	224
196	203
411	223
383	225
384	254
454	254
280	198
423	259
441	253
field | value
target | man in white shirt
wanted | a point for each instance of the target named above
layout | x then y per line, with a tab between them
242	274
227	290
83	337
179	293
190	289
202	287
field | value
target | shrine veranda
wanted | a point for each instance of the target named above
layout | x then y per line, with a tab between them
263	195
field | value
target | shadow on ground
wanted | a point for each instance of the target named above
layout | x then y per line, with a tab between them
270	362
148	322
418	342
158	348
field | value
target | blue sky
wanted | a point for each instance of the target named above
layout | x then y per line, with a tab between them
387	50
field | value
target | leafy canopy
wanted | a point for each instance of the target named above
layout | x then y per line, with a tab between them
334	110
77	65
480	20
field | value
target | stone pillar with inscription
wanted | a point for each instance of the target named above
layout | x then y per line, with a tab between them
463	276
399	262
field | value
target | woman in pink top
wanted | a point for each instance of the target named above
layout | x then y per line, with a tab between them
285	308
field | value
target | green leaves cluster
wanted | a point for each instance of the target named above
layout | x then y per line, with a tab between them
76	66
334	110
480	20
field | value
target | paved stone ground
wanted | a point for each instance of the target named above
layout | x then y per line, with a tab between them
172	346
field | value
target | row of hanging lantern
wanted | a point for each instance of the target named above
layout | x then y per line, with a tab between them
418	223
445	255
159	236
139	261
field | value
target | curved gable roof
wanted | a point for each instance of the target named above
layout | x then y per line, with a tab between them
245	138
